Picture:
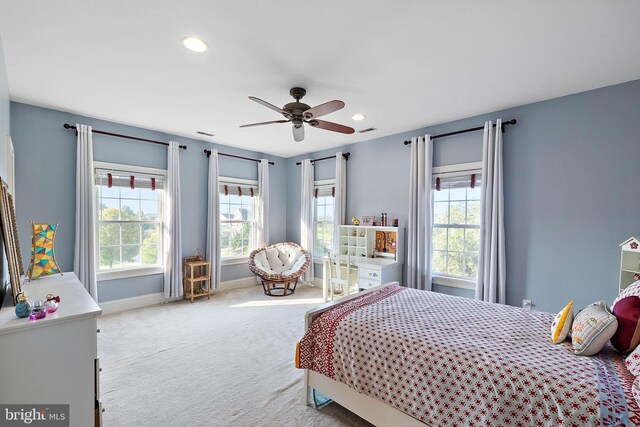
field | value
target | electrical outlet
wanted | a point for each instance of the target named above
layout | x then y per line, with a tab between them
526	303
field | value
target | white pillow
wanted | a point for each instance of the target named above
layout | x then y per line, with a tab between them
592	328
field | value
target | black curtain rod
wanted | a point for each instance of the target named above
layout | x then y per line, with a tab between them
208	153
117	135
458	132
344	155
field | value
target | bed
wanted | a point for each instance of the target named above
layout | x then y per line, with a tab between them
398	356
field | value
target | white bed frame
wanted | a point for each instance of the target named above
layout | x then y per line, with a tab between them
372	410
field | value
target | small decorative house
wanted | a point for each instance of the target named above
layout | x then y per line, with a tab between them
629	262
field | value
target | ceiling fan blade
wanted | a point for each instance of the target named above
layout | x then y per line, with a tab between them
298	132
335	127
323	109
265	123
270	106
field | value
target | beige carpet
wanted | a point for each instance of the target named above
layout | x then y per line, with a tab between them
223	362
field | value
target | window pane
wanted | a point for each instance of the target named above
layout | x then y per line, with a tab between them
439	238
440	196
471	270
131	254
109	209
456	239
150	254
234	199
440	212
130	234
109	234
457	212
109	257
473	212
473	193
323	240
457	193
128	193
472	240
440	262
456	268
149	209
148	194
129	209
113	192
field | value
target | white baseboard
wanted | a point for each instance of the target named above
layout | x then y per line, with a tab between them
124	304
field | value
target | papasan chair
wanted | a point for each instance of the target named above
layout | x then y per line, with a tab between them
279	266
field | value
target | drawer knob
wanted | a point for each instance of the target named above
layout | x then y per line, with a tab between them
373	274
98	330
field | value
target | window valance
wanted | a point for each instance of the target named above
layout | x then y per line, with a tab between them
115	178
464	179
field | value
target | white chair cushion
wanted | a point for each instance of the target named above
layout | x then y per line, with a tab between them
284	260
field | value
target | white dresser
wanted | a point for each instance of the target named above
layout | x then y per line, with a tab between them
53	360
377	271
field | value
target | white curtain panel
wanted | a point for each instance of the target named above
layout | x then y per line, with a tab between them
262	208
306	213
419	227
172	226
340	200
84	260
492	271
213	220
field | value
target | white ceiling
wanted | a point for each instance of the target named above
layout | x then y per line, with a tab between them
404	64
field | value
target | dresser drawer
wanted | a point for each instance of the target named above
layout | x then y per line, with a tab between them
369	273
367	284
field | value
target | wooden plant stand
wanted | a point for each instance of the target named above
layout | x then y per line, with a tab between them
197	278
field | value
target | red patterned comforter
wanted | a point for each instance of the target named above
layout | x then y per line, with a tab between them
452	361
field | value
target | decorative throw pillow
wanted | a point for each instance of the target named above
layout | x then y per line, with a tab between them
43	259
562	324
633	362
631	290
592	328
627	336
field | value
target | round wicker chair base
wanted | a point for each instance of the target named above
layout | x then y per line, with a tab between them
281	289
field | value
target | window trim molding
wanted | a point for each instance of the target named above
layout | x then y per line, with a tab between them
441	279
129	168
454	282
133	271
236	260
459	167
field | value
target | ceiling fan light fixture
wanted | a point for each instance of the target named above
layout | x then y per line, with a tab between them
357	117
195	44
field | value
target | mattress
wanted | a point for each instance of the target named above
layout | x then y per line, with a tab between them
452	361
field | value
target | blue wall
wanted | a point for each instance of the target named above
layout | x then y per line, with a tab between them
45	184
571	189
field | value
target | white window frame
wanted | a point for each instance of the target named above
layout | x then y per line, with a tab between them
222	180
317	185
447	280
133	271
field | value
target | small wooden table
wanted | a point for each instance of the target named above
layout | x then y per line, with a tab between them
197	279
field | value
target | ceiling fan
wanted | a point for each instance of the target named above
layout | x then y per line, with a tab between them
299	113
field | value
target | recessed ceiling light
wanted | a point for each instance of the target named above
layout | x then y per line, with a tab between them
357	117
194	44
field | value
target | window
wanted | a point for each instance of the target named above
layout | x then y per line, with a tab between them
237	218
129	215
323	218
456	227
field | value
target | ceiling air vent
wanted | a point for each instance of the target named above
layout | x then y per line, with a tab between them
367	130
204	133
